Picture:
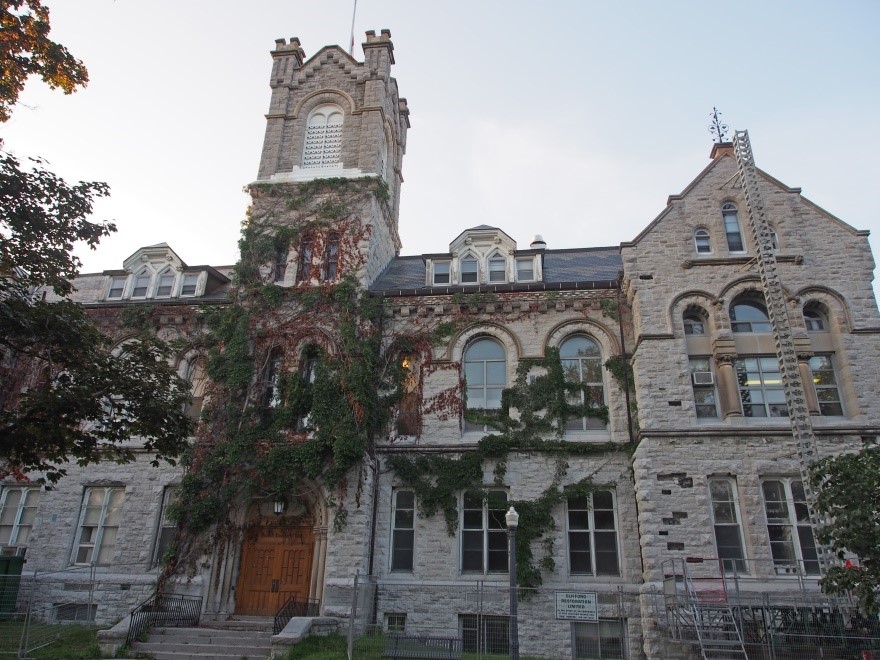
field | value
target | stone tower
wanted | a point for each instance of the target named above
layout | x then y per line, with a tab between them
330	170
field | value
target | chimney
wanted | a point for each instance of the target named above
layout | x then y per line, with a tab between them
538	243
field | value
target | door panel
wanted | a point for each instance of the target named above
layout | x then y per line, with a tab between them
276	564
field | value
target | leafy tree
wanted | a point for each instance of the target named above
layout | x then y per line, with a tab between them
64	394
25	50
849	499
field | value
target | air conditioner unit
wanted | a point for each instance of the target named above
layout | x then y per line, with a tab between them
12	551
703	378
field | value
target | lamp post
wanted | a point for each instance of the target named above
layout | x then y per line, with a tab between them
512	519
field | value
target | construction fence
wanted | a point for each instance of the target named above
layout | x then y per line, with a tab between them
473	621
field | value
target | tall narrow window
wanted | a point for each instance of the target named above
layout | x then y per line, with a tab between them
497	268
403	532
725	518
331	257
703	381
592	534
702	242
167	527
732	229
165	284
141	284
18	509
409	418
760	387
382	154
748	315
323	144
788	524
825	383
468	270
308	368
98	525
197	377
117	286
304	267
279	269
484	532
582	366
485	375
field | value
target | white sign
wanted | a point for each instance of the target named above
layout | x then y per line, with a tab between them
577	605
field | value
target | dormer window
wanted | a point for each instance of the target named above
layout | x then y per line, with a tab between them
497	268
468	270
441	272
141	284
166	284
525	270
117	286
189	285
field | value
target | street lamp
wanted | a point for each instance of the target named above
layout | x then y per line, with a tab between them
512	519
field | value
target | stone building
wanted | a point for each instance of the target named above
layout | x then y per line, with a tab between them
691	455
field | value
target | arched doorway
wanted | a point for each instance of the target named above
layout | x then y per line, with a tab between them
276	561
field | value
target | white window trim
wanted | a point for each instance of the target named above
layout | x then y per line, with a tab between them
101	526
800	567
439	262
730	206
114	278
496	256
762	386
144	272
702	230
16	523
469	257
174	281
530	260
183	280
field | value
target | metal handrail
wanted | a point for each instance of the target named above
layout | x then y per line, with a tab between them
292	608
164	609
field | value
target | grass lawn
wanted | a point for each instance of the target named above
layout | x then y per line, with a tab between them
68	642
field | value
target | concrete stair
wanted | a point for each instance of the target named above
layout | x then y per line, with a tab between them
206	643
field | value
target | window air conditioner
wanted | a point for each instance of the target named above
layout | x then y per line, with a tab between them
703	378
12	551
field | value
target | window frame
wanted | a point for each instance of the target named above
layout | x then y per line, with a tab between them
730	221
490	515
189	280
331	258
114	279
144	288
765	374
305	259
169	288
597	628
702	241
826	403
747	325
690	321
496	275
817	321
800	530
735	565
166	529
484	385
435	272
465	276
585	423
101	527
575	536
474	632
400	532
24	516
531	269
703	389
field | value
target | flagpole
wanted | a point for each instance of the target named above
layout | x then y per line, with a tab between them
351	43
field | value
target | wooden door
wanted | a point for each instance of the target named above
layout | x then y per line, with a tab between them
276	564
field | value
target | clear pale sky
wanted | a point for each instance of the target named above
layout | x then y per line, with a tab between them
571	119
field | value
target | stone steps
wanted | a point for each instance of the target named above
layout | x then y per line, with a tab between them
205	643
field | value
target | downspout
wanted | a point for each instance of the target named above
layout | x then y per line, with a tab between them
624	355
375	503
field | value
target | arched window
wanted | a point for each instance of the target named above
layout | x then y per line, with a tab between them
814	319
469	270
702	242
749	315
272	380
582	366
485	375
308	368
732	229
165	284
323	143
694	323
141	285
304	267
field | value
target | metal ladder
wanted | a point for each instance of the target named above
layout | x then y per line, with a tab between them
718	632
777	310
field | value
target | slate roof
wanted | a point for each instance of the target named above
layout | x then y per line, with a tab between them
572	266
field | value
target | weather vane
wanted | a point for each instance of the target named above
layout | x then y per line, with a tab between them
716	128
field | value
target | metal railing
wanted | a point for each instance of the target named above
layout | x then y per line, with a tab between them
292	608
165	610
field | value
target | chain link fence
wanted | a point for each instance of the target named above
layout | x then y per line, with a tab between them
473	621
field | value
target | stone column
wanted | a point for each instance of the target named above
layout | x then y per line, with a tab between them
724	351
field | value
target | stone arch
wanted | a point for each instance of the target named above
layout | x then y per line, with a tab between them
832	304
696	300
511	344
320	97
608	341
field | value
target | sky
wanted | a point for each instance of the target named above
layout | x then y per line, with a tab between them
571	119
